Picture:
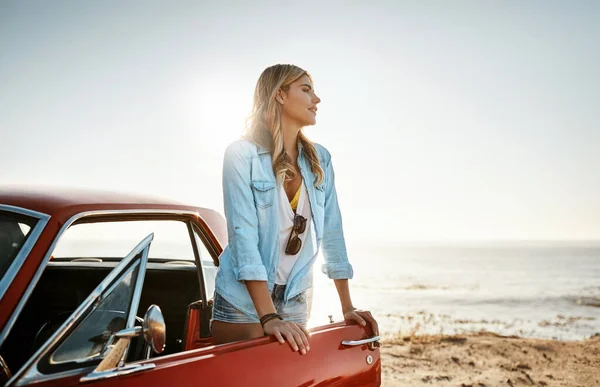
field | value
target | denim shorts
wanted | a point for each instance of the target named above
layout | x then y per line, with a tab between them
296	309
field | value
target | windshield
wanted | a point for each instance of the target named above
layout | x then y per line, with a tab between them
14	231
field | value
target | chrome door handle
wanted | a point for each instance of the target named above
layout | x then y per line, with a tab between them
372	341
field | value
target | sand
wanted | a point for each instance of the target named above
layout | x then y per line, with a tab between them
488	359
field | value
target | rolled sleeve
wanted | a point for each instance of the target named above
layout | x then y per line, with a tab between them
336	264
342	270
242	221
252	273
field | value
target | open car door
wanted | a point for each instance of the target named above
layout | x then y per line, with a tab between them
79	345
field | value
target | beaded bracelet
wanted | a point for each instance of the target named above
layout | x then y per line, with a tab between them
268	317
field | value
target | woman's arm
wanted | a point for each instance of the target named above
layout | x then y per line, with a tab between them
259	292
349	311
295	334
343	290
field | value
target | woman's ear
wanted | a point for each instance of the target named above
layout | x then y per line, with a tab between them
280	96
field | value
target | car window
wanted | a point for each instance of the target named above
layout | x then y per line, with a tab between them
114	239
14	230
89	339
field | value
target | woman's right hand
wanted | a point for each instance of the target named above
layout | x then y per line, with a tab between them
295	334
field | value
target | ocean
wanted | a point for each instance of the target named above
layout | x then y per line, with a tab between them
542	290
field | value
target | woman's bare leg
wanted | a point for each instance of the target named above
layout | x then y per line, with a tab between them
224	332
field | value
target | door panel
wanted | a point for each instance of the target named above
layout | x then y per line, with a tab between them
263	362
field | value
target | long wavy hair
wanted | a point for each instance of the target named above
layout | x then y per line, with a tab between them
264	123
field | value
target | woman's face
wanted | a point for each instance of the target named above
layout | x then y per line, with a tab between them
300	102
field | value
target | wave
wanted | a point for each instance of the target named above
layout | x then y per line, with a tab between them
415	286
426	318
588	301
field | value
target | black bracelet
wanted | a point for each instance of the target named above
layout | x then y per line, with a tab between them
268	317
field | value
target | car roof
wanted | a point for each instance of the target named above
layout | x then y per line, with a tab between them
63	203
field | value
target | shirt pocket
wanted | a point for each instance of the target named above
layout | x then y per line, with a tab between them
264	193
320	194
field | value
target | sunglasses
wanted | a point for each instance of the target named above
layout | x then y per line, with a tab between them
294	242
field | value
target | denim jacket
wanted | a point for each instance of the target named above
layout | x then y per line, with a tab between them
250	194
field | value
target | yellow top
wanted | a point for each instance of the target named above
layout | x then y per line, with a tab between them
294	201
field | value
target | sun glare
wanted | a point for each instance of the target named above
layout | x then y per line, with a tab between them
216	108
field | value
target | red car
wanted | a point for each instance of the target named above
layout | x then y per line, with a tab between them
115	290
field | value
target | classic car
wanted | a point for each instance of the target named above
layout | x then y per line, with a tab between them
111	289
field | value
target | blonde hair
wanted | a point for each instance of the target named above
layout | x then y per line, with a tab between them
264	123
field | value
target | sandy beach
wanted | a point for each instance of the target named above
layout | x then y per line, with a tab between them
488	359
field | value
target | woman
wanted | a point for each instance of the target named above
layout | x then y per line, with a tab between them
281	207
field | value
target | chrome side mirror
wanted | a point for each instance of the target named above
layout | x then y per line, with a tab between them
153	329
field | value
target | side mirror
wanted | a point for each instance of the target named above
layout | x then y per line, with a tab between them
153	330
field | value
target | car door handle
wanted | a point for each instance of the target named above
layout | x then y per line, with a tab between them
372	341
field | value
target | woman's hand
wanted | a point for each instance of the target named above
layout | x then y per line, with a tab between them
362	317
295	334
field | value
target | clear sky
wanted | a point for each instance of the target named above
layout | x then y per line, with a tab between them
446	120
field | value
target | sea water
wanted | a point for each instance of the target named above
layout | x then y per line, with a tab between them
544	290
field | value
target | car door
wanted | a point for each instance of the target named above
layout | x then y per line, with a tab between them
79	344
266	362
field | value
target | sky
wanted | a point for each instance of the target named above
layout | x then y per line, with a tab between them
447	121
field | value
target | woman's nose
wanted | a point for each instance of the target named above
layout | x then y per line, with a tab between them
316	99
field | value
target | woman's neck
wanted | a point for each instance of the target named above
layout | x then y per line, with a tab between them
290	139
